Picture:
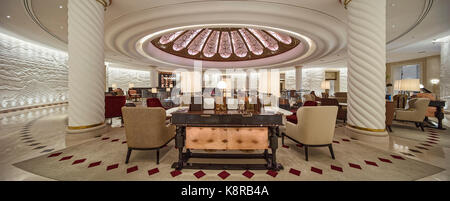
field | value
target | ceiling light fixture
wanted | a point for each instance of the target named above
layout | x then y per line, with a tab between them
8	16
60	6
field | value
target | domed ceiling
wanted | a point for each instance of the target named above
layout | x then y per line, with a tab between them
225	44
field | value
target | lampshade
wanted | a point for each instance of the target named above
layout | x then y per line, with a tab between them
397	84
154	90
168	89
222	85
410	85
325	84
434	81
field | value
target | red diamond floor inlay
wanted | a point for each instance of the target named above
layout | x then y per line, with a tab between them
346	140
371	163
316	170
111	167
199	174
78	161
65	158
285	146
124	142
248	174
153	171
415	151
385	160
354	166
272	173
175	173
430	142
132	169
432	139
105	138
54	155
426	145
224	174
397	157
339	169
419	147
408	154
299	145
337	142
295	172
94	164
115	140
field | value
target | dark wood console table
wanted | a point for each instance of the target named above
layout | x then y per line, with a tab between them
229	130
439	113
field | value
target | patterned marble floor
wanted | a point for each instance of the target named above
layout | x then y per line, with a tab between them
38	132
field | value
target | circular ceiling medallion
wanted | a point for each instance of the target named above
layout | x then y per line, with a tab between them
225	44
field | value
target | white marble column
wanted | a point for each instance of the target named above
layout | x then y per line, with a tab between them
86	115
298	77
445	71
366	70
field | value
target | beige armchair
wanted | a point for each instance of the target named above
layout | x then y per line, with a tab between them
146	129
415	113
315	127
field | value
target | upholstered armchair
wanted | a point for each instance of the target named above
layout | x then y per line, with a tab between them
415	113
342	111
154	102
309	97
146	129
400	100
293	118
430	110
113	105
341	97
390	109
133	94
315	128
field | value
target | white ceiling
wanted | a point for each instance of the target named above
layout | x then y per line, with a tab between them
325	16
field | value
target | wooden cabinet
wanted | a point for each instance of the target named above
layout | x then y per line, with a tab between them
227	138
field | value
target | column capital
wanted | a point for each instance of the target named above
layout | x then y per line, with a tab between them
105	3
345	2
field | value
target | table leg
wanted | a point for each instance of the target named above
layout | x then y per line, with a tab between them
179	141
273	133
439	115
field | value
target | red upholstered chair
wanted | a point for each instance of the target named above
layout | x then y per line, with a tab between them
310	103
113	105
154	102
293	118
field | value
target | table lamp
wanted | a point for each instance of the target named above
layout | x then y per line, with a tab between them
325	85
410	85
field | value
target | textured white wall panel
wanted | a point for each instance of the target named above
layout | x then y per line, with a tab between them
122	77
30	74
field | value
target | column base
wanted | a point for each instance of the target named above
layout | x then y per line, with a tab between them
74	137
368	136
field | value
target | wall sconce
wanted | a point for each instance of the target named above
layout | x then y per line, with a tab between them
130	85
434	81
114	86
154	90
168	89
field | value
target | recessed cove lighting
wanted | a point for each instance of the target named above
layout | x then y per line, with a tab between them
442	40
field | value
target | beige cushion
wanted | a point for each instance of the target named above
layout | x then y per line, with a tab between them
315	125
145	127
415	112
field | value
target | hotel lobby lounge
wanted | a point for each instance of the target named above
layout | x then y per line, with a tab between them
307	90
